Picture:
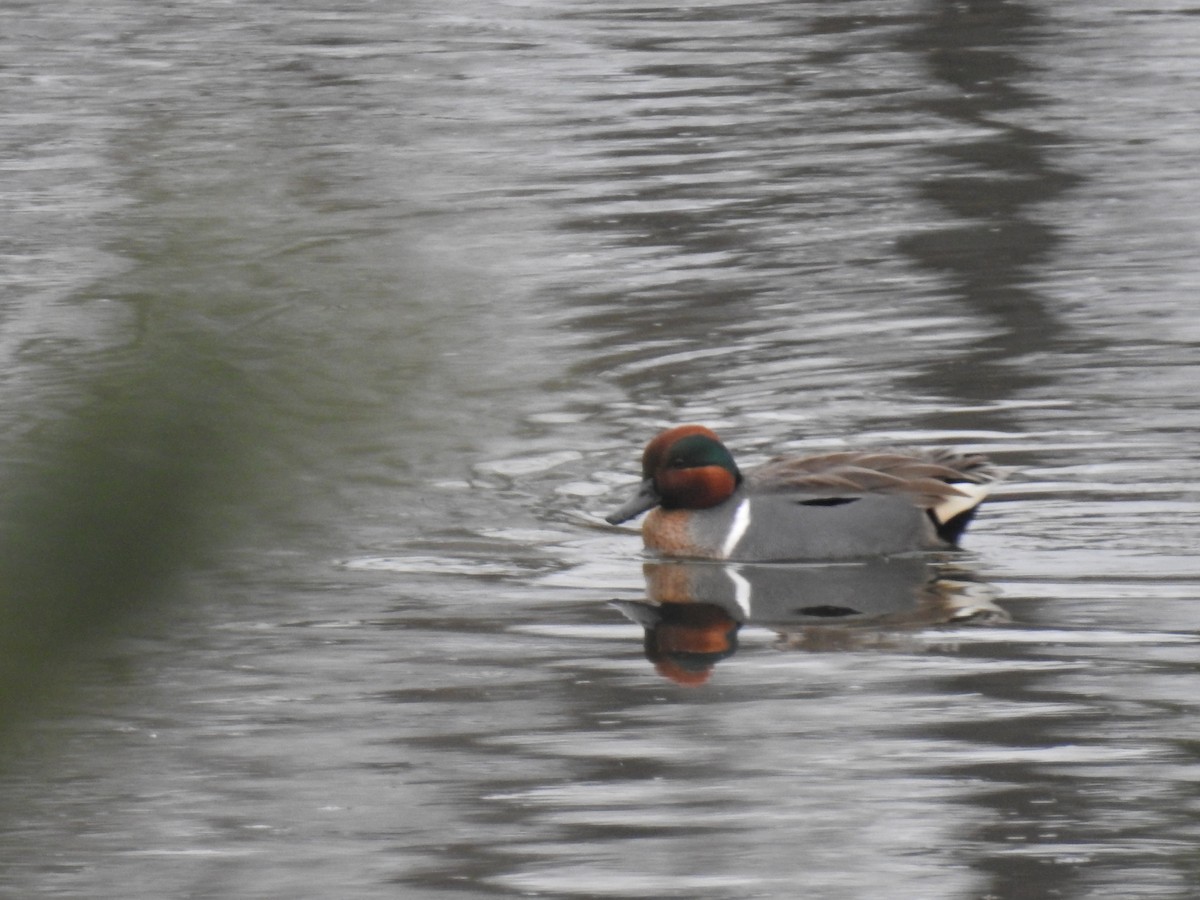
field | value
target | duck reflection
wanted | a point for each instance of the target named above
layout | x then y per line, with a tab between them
684	641
695	609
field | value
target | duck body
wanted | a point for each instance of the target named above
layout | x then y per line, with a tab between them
832	506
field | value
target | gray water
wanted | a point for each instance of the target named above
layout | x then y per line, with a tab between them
453	264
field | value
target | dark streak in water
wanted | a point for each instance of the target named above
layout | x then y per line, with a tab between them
991	184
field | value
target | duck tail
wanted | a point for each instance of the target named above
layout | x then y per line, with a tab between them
952	516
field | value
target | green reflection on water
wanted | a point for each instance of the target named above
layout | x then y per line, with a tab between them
106	509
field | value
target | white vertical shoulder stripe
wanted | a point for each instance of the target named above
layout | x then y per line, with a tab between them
737	528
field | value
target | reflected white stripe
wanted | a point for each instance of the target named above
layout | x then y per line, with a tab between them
741	590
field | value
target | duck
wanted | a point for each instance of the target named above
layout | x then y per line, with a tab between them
844	505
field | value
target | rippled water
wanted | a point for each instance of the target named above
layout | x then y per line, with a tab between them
462	260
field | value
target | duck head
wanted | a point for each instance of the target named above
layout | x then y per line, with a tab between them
686	467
